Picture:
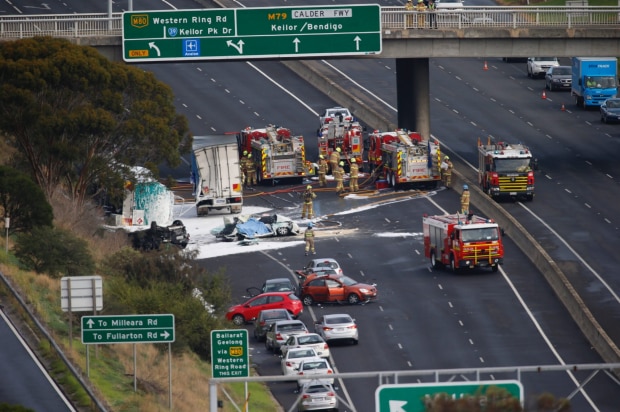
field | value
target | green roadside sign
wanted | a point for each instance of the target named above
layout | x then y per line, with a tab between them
410	397
230	357
127	329
223	34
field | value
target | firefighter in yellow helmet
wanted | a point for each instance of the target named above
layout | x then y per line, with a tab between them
446	171
421	8
339	177
322	171
409	7
353	175
308	197
250	170
334	158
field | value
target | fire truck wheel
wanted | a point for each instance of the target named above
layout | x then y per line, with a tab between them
453	264
353	299
434	261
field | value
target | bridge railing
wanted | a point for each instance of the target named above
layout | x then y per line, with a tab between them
103	24
503	17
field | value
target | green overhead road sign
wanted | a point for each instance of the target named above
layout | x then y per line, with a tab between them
410	397
230	357
127	329
223	34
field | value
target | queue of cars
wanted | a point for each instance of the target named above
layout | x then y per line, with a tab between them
304	352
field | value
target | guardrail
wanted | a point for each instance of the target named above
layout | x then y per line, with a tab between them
103	24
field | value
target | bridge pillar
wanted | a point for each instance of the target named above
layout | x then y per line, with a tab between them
413	95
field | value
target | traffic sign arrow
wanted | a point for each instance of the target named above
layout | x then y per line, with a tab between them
397	406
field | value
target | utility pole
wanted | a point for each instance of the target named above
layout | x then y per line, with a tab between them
7	221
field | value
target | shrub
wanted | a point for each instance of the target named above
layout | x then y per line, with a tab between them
54	251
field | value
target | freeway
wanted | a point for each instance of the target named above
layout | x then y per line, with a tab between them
22	371
577	164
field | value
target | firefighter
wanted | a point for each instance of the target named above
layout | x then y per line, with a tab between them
250	171
309	238
339	176
465	200
322	171
353	175
409	7
334	158
446	171
242	166
308	198
421	8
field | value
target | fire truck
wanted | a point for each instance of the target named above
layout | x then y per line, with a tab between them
506	170
347	135
404	157
275	151
462	241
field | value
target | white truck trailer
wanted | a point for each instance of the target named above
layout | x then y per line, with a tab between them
216	174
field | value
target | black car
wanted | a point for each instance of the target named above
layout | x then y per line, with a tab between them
610	110
558	78
151	238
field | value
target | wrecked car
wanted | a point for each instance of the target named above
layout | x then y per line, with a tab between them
151	238
244	227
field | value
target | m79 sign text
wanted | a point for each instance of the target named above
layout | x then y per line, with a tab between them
261	32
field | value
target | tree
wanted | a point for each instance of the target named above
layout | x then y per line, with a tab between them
23	201
79	119
54	251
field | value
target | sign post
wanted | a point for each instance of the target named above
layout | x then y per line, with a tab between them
127	329
224	34
410	397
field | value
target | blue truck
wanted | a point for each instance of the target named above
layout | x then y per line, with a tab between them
594	80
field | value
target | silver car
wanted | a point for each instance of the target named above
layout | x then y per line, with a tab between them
309	367
280	331
337	327
318	396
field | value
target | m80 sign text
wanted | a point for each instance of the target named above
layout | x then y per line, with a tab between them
210	34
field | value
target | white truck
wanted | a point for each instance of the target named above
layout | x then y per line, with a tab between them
216	174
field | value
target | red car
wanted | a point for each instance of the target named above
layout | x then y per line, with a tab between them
336	288
248	311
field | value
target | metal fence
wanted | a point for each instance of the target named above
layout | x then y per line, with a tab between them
103	24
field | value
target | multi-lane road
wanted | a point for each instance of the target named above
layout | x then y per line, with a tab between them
427	319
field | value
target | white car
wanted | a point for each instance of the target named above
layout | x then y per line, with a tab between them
309	340
538	66
337	327
252	227
317	366
315	265
292	358
335	114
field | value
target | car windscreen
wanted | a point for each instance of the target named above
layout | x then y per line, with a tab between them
338	319
348	281
304	340
479	234
291	327
512	165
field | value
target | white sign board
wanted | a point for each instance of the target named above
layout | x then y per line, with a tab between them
86	293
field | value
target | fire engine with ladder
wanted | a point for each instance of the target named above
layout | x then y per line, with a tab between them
506	170
347	134
275	151
462	241
404	157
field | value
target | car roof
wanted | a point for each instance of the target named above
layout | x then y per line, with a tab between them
315	262
289	322
277	280
266	312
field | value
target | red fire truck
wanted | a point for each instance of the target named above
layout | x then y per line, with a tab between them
462	241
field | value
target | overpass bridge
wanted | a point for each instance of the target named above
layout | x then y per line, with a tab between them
473	31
